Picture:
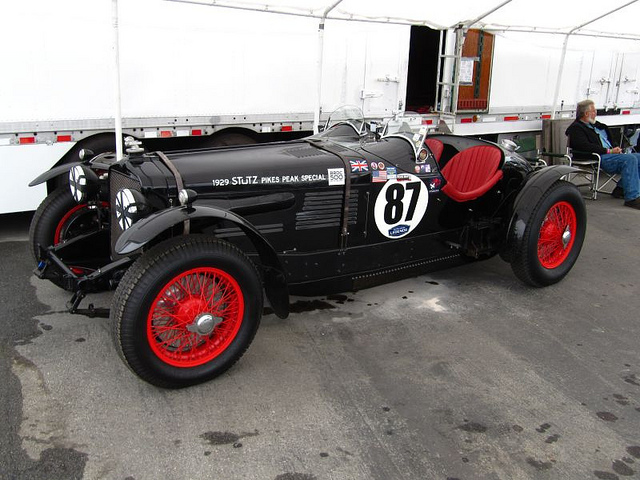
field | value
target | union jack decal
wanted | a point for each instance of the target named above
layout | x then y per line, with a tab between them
359	166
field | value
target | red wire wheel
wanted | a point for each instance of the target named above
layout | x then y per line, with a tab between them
186	310
67	222
545	251
195	317
557	235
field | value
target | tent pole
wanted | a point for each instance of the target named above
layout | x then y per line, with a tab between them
116	59
559	79
486	14
318	106
564	52
459	32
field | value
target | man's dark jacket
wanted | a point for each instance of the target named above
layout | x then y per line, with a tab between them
585	139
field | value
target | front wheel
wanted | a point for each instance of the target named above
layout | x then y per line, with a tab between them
60	218
553	236
186	311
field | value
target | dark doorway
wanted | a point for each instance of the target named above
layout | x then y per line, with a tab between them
423	69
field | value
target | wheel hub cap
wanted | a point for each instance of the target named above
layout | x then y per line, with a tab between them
204	324
566	237
195	317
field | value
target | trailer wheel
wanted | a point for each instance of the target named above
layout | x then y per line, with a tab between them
186	311
60	218
100	143
228	139
553	237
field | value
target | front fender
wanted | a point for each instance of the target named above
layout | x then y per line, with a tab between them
98	161
54	172
527	199
145	230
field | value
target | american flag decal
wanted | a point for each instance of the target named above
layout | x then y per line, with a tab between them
359	166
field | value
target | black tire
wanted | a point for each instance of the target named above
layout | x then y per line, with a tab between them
168	281
59	218
544	256
229	139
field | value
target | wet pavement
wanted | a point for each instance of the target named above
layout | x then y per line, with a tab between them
461	374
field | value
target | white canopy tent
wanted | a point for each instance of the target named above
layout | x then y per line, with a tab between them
587	20
618	18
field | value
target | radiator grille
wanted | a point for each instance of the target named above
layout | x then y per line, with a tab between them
324	209
118	181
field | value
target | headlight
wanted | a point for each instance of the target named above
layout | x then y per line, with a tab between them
130	207
83	182
186	196
85	154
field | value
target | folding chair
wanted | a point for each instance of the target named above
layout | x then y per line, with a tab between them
589	169
589	165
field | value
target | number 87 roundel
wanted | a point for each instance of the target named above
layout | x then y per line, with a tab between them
400	205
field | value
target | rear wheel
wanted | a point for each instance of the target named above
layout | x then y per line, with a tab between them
553	237
186	311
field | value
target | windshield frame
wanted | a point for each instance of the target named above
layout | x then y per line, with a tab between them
347	115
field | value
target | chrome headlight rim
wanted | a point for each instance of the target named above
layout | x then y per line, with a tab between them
186	196
84	183
126	208
78	183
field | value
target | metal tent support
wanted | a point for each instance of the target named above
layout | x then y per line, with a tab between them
316	113
450	105
563	55
116	59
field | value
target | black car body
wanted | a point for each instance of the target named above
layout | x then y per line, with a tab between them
341	210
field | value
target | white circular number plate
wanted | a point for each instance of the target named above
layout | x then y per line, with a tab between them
400	205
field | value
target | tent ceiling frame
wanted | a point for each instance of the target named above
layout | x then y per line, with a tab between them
318	101
574	29
487	13
506	29
321	13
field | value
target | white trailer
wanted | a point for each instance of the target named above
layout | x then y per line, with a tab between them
523	86
189	76
183	75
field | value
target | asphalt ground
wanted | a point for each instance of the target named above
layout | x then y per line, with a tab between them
460	374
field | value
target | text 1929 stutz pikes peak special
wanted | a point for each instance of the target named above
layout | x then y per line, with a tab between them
194	240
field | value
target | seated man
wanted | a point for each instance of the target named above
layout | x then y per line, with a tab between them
587	135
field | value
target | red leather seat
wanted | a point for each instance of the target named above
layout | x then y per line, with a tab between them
472	172
436	147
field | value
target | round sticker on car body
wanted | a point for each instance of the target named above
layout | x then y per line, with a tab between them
400	205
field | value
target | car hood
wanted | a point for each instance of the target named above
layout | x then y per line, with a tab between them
269	166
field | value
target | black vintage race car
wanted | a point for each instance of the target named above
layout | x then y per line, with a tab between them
195	240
